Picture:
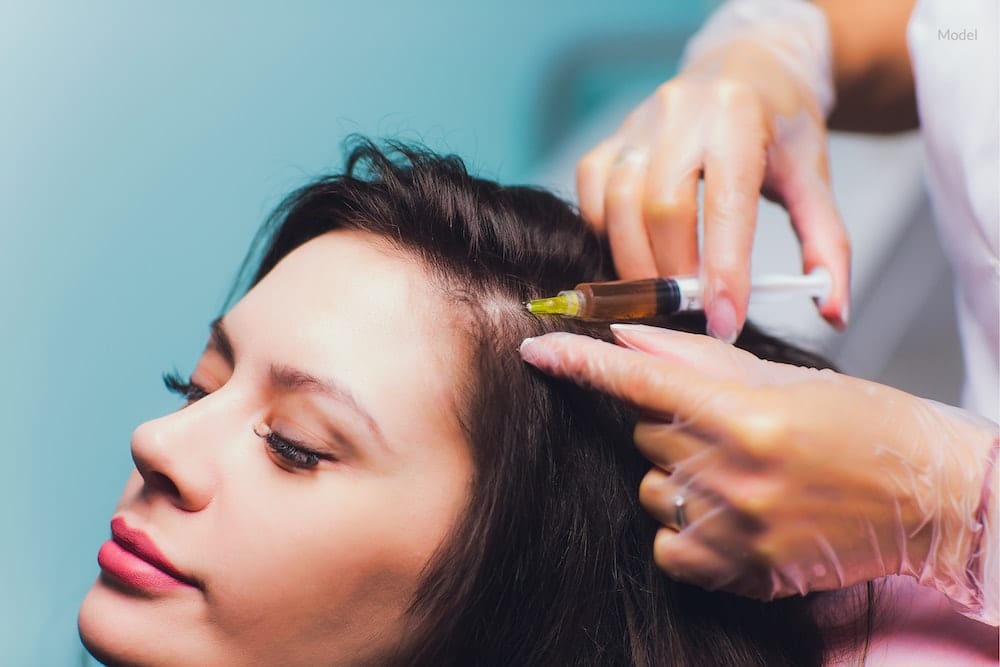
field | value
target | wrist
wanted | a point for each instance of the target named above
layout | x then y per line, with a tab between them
794	32
747	63
983	568
959	536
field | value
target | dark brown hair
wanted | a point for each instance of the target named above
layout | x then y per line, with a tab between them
552	562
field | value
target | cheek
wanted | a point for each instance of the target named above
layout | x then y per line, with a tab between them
327	557
358	524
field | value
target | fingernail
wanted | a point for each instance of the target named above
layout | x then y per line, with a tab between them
536	355
721	318
642	337
644	330
845	312
542	356
530	352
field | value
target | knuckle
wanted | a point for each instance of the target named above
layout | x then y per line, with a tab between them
753	500
763	433
733	94
569	357
620	191
589	167
842	241
728	271
735	208
644	380
667	207
650	443
652	434
665	553
763	501
666	96
653	491
642	433
732	214
832	234
662	559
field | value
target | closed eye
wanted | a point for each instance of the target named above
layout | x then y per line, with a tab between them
294	454
186	389
291	453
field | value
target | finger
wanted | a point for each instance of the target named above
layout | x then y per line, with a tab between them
713	550
655	497
666	444
725	502
823	238
709	356
672	503
592	173
630	248
670	206
687	560
635	378
734	173
746	421
798	173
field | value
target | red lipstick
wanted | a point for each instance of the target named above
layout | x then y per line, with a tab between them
133	558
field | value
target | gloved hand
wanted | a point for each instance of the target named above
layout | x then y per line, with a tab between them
791	479
747	112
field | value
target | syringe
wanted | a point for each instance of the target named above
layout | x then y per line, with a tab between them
639	299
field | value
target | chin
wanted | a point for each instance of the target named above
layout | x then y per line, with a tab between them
120	630
106	631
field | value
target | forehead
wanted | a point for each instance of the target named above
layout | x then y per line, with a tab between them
348	306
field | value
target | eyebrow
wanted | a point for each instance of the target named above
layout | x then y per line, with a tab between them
221	343
291	379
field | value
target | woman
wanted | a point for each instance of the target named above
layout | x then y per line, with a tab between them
366	472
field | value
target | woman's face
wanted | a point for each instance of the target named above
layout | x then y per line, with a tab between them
268	553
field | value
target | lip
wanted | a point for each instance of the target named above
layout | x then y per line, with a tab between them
132	557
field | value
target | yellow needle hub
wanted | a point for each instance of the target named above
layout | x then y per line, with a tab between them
563	304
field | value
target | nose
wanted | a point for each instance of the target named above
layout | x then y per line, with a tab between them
175	459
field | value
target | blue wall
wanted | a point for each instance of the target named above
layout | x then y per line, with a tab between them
140	146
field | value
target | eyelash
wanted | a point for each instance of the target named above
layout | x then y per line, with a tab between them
186	389
295	455
292	453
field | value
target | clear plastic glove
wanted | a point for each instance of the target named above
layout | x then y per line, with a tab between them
792	479
747	112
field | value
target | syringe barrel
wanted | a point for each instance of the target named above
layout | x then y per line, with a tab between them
629	299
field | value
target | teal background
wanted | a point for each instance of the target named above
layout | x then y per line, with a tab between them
142	144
